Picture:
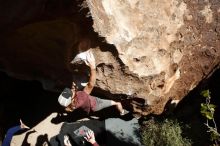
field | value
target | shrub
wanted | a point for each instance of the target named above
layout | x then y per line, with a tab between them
208	110
165	133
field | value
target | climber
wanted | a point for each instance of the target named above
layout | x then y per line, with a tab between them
73	99
12	131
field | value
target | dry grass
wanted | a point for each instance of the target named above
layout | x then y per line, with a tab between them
163	133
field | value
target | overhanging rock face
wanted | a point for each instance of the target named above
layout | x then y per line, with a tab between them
142	32
165	48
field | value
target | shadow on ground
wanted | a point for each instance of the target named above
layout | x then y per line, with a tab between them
116	135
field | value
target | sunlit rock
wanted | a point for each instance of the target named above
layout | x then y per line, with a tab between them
165	48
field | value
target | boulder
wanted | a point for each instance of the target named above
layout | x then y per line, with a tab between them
153	52
164	48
